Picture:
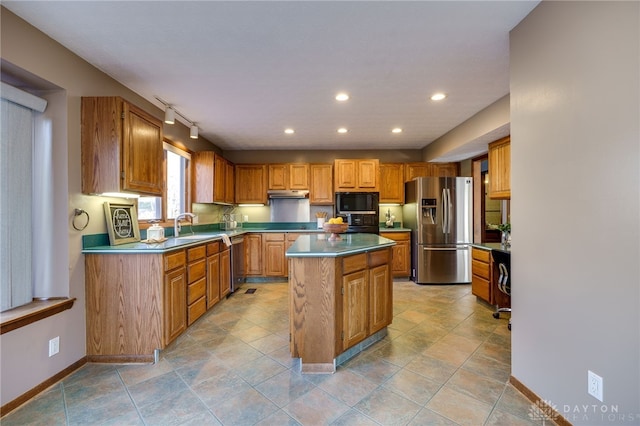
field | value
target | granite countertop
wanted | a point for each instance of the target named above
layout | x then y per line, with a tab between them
318	245
492	246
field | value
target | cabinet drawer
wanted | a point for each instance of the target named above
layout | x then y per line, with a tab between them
174	260
196	290
481	255
480	287
480	269
196	310
196	253
273	236
213	248
196	270
379	257
396	236
354	263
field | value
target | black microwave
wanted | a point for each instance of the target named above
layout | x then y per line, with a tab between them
357	203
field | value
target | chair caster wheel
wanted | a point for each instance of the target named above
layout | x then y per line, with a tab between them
509	327
496	315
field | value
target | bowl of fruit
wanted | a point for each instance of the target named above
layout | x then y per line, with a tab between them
335	227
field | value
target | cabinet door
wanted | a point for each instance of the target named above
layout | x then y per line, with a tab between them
500	169
202	184
251	183
175	308
321	191
230	188
355	308
219	179
213	280
368	171
225	272
274	258
299	176
278	176
392	183
253	254
346	177
445	169
380	308
142	152
414	170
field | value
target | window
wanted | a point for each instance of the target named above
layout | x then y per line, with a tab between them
176	187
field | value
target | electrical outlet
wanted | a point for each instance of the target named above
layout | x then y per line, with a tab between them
594	385
54	346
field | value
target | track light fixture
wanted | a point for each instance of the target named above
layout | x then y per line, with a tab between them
169	115
170	118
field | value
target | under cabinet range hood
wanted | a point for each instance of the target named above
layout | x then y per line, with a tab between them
288	193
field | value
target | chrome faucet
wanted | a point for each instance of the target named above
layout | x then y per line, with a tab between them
176	225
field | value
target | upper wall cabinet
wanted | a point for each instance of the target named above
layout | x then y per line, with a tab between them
121	148
251	183
289	176
321	189
357	175
426	169
210	175
500	169
392	183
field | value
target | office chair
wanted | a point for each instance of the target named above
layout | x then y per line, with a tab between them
504	282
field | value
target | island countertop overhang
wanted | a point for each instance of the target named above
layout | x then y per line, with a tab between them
319	245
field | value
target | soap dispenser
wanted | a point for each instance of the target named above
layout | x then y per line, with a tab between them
155	232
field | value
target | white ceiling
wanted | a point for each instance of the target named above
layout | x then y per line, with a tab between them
244	71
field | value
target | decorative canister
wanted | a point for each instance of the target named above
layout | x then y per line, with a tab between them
155	232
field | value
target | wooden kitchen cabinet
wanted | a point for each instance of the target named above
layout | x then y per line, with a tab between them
392	183
500	169
213	274
481	273
251	183
225	271
121	148
356	296
230	187
275	264
357	175
401	261
321	184
380	292
289	176
210	174
253	255
196	283
175	300
426	169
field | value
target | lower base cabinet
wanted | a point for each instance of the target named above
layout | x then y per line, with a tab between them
137	303
481	273
401	264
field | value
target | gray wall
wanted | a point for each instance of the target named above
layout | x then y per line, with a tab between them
575	135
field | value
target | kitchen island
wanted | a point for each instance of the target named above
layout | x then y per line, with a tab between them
340	297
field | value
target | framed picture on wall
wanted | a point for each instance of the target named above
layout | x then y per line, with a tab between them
122	222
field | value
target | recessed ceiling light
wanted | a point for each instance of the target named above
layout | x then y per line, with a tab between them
342	97
342	130
396	130
438	96
289	131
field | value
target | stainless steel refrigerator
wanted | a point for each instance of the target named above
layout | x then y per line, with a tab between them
439	212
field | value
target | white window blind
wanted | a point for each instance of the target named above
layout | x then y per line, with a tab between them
17	111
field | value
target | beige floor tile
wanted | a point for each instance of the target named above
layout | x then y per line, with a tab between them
347	386
412	386
458	407
387	407
434	369
479	387
316	407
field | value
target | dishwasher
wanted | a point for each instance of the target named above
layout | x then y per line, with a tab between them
237	262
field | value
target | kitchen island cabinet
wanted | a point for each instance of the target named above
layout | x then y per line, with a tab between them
340	296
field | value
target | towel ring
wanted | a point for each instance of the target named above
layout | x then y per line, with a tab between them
76	213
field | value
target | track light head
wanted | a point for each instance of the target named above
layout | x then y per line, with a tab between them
169	115
193	134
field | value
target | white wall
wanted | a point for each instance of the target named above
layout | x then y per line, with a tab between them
575	135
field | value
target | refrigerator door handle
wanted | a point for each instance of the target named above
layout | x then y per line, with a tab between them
444	211
445	248
449	211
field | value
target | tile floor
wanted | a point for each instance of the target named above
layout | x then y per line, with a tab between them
445	361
